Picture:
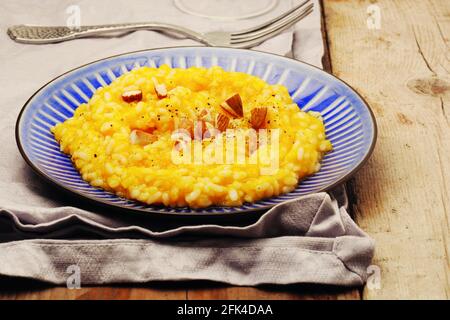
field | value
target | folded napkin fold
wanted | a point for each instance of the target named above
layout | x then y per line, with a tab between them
311	239
307	240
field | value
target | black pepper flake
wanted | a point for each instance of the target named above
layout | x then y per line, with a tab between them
95	155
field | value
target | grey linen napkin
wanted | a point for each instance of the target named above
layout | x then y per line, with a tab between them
309	240
43	233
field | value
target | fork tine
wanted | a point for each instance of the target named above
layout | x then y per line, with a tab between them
256	41
276	19
270	29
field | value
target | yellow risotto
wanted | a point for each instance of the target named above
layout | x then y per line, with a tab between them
193	137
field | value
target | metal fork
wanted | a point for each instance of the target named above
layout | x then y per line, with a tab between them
241	39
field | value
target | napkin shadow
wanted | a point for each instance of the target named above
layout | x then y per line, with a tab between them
12	286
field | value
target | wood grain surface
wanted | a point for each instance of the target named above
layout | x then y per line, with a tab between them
401	196
402	70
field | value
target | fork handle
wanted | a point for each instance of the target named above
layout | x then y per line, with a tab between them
51	34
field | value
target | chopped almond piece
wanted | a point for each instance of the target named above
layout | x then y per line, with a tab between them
258	118
148	130
205	115
180	145
160	89
199	129
209	126
188	125
142	138
132	96
183	134
233	106
211	133
222	122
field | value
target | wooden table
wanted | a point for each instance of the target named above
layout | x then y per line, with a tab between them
402	195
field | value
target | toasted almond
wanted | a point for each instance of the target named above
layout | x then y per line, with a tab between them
205	115
199	129
211	133
180	145
160	89
258	118
142	138
132	96
233	106
148	130
222	122
188	125
209	125
182	135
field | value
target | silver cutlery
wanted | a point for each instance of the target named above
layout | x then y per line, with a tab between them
237	39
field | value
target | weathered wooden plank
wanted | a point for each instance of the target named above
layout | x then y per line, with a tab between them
27	291
293	292
403	192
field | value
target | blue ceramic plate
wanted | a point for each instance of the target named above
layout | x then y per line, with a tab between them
349	123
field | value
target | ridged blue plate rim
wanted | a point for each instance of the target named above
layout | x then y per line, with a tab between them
354	100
